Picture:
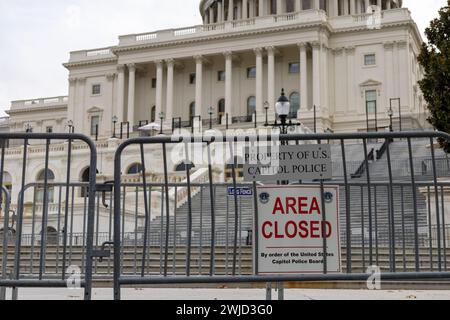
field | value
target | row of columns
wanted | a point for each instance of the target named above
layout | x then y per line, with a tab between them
248	8
169	64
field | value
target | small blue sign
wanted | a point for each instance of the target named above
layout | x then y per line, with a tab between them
241	192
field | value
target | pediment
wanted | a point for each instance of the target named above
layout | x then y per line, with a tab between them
370	83
94	110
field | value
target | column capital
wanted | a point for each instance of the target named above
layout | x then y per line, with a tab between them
350	49
131	67
110	76
388	44
228	54
338	50
81	80
302	45
258	51
170	62
73	80
315	45
159	63
270	49
199	58
121	68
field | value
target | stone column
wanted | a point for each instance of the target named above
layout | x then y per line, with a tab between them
358	7
352	7
334	8
316	74
230	10
259	81
379	4
303	77
261	8
271	79
131	93
159	88
388	5
298	5
72	98
317	4
120	92
346	7
228	85
280	7
366	5
245	9
219	12
198	85
211	14
169	97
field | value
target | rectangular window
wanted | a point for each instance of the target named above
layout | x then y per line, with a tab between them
294	67
96	89
192	78
371	101
49	129
369	60
251	72
95	123
221	76
154	83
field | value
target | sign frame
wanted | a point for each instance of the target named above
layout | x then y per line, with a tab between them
257	225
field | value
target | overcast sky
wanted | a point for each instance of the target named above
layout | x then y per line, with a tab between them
37	36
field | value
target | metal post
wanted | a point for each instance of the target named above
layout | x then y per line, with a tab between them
315	119
227	123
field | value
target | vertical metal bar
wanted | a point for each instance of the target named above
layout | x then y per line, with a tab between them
166	187
363	231
236	213
240	236
430	231
5	208
189	222
90	220
174	249
201	233
391	210
71	227
444	227
348	225
33	230
161	231
227	235
83	239
436	194
369	200
414	192
377	249
117	240
136	217
403	227
213	213
44	213
58	228
20	210
146	204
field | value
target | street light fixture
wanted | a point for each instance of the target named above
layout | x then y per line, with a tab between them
210	112
115	119
28	128
266	107
70	125
161	117
399	110
390	113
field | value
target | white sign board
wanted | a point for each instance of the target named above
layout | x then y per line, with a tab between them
291	230
278	163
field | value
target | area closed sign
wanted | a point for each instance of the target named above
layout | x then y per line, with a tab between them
292	230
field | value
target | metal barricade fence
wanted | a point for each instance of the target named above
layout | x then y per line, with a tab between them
388	218
36	248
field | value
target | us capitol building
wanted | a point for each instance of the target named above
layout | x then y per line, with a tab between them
340	63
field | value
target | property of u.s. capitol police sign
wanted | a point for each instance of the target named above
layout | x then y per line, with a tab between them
280	163
292	229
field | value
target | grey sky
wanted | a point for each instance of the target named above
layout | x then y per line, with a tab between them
37	36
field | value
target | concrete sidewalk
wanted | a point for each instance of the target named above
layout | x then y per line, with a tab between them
231	294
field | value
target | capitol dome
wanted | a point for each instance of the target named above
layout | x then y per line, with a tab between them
218	11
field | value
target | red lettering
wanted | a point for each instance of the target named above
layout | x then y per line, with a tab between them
314	206
277	235
330	231
291	235
290	205
303	229
278	207
302	204
315	229
264	229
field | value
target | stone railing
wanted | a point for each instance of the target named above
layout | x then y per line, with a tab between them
82	55
199	176
40	102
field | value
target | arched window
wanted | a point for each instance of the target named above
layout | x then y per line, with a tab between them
221	108
295	104
52	236
135	168
153	114
183	166
191	110
251	108
40	190
85	177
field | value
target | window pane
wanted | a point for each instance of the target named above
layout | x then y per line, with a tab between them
295	104
96	89
221	76
371	107
251	106
369	60
192	78
95	121
251	72
371	95
294	67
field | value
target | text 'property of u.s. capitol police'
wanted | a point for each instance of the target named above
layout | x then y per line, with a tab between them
299	162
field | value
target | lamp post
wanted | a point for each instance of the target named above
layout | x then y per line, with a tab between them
161	117
210	112
390	113
283	106
266	107
28	128
114	120
70	125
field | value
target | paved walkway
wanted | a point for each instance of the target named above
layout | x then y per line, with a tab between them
232	294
